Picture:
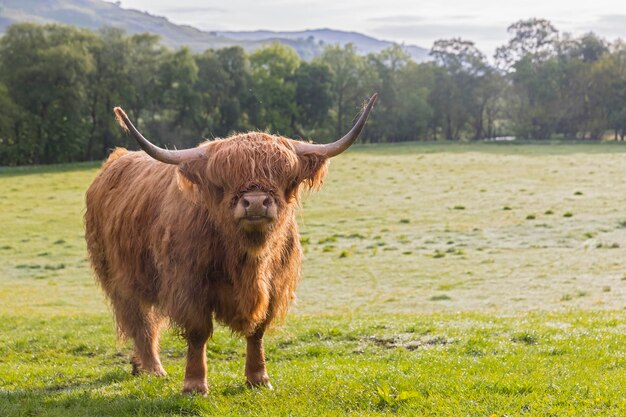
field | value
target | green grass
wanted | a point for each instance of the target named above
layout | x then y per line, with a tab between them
451	364
409	305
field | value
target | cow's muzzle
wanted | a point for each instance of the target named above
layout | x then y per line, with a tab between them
256	207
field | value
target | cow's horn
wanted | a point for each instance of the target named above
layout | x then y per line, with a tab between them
333	149
167	156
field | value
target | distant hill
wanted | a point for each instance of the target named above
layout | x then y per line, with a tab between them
94	14
321	37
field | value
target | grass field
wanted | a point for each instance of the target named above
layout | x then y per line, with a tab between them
445	280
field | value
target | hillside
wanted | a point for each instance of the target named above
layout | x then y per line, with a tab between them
365	44
94	14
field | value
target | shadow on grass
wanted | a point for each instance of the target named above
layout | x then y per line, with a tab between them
235	389
91	399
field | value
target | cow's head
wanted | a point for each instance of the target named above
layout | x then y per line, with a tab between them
249	181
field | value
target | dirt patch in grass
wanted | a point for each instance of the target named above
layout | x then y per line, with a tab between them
406	343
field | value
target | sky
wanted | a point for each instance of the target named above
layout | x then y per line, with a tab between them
403	21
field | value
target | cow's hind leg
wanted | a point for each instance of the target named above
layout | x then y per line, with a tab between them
143	325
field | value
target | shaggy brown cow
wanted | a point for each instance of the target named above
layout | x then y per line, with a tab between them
200	233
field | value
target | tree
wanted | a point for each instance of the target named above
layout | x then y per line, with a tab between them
145	91
606	93
313	94
16	146
223	79
273	85
180	101
529	59
462	87
413	113
534	39
402	112
350	76
587	48
108	86
233	108
46	71
616	101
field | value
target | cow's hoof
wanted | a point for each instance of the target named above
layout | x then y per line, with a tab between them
195	386
155	370
258	380
136	367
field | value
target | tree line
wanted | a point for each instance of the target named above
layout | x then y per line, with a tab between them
58	85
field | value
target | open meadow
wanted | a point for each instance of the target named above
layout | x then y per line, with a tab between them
447	280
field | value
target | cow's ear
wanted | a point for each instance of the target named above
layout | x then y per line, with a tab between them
190	176
194	170
193	176
313	169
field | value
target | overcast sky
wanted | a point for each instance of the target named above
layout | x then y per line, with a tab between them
411	22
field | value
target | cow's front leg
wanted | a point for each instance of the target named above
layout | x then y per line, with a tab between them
256	373
195	371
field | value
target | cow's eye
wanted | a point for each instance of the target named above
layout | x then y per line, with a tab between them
293	186
217	192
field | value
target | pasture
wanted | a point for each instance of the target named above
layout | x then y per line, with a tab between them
480	280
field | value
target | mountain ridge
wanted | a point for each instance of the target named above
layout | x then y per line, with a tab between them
95	14
365	44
